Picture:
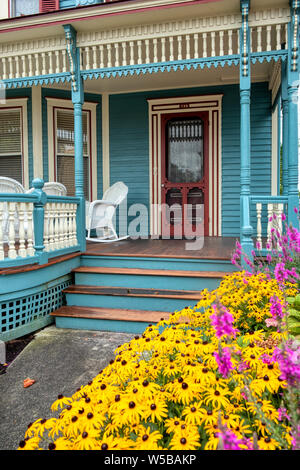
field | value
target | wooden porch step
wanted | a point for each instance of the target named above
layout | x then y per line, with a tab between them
111	314
133	292
150	272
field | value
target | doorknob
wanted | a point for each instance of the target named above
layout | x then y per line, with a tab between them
162	185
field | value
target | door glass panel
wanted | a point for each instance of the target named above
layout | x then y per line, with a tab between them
185	150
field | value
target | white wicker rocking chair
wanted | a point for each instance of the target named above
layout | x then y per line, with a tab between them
9	185
101	213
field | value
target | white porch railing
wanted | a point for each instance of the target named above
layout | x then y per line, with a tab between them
269	220
35	227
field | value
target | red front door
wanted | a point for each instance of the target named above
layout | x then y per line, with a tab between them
184	182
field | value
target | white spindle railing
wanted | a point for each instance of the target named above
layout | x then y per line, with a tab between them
17	229
269	221
148	43
60	226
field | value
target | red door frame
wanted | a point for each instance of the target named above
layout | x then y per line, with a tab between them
184	187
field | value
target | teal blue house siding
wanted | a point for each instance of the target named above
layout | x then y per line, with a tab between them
129	145
62	94
26	93
67	4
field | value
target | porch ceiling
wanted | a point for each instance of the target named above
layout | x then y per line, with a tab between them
179	79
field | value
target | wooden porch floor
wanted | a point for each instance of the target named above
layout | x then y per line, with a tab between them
219	248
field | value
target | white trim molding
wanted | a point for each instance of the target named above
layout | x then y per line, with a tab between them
187	104
21	103
87	106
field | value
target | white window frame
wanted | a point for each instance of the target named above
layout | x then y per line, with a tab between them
53	103
21	103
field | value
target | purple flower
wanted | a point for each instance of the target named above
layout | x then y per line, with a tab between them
229	440
282	414
222	321
289	364
276	308
224	362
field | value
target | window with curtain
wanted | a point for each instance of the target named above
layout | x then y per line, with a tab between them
65	168
11	144
185	150
25	7
32	7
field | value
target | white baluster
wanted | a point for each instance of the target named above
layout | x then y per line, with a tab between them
11	70
179	51
131	47
108	46
61	225
1	231
155	59
204	36
51	227
37	64
278	37
101	56
171	48
50	56
17	66
124	53
56	227
64	60
44	71
188	47
30	65
95	65
4	69
57	62
73	224
269	48
46	227
117	63
87	58
259	230
213	44
163	49
22	250
259	42
29	212
270	223
221	53
12	253
230	52
196	46
24	71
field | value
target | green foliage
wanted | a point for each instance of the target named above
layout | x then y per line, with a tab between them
293	320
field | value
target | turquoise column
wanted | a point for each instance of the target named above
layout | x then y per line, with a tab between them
292	98
78	100
245	93
38	220
285	129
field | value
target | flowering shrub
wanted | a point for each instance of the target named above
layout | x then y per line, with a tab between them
222	375
202	379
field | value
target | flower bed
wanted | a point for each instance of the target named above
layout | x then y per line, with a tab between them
222	375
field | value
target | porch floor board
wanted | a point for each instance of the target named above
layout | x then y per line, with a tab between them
220	248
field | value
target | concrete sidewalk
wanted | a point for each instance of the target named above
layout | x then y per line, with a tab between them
59	361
